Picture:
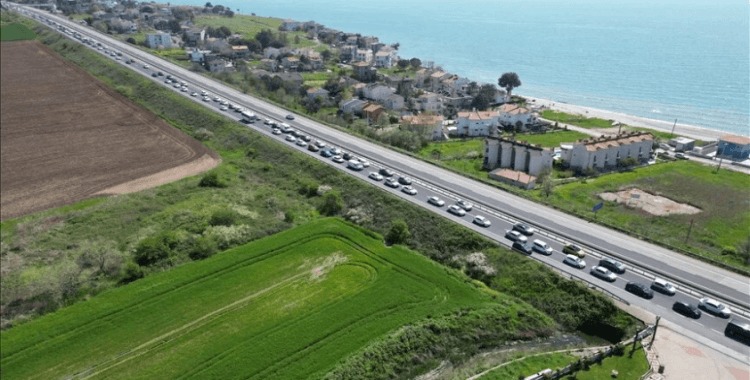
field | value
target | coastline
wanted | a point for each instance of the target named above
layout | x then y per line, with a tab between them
692	131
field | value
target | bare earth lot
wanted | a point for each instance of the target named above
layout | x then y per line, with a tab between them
66	136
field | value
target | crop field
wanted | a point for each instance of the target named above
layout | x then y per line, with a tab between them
289	306
67	136
16	32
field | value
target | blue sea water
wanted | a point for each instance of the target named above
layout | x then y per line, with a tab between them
662	59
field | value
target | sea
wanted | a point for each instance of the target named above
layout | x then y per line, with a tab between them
660	59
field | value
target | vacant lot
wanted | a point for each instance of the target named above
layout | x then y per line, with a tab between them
289	306
66	136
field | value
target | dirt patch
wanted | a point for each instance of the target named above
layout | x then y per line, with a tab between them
66	136
652	204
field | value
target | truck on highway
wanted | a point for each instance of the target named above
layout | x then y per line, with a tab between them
249	117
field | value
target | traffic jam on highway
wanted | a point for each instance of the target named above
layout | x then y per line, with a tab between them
604	272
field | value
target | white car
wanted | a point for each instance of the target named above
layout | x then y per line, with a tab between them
436	201
714	307
224	103
364	162
541	247
176	85
482	221
662	286
167	81
290	138
145	66
409	190
337	159
184	89
301	143
464	204
575	261
515	236
217	99
267	121
390	182
375	176
224	108
354	165
320	144
336	151
206	99
603	273
276	131
118	58
194	94
455	210
204	93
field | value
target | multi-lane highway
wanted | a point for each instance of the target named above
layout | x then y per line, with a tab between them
644	261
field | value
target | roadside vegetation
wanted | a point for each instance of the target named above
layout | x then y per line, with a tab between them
59	257
16	32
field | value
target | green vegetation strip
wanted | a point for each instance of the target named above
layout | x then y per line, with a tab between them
16	32
288	306
629	366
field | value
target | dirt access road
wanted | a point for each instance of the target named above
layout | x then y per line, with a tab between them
66	136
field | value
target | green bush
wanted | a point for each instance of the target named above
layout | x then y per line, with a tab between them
332	203
212	180
223	217
398	233
155	248
309	188
131	273
203	247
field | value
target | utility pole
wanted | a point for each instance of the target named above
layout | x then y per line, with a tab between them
688	233
721	159
656	325
674	125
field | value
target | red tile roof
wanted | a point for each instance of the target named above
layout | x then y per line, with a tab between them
478	115
606	142
513	175
422	119
739	140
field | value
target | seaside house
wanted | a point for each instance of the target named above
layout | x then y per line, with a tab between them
383	59
290	25
428	102
421	76
271	53
352	106
516	116
377	92
606	152
269	64
364	72
394	102
368	41
682	144
290	62
347	53
195	35
363	55
731	147
519	156
316	62
313	93
424	122
500	96
372	112
158	40
220	65
436	78
240	51
477	123
197	55
514	178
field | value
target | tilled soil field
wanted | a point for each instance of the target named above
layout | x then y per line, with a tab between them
66	136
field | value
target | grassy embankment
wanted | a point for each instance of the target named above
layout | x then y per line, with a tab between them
16	32
264	187
249	26
287	306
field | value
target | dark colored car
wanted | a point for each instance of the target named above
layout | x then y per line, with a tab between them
153	75
612	265
326	153
313	148
687	309
524	229
639	289
738	330
290	117
386	172
404	180
522	247
347	156
161	74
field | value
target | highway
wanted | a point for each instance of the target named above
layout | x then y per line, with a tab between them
644	261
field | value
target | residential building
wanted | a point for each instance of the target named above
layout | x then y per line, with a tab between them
606	152
367	42
313	93
383	59
682	144
198	55
421	76
372	112
428	102
377	92
436	78
316	62
290	25
158	40
271	53
501	96
294	78
514	178
195	35
516	116
220	65
363	71
363	55
347	53
477	123
352	106
240	51
290	62
516	155
731	147
424	122
394	102
269	64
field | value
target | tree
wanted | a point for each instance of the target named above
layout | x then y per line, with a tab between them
325	54
151	250
383	120
509	81
297	40
131	40
402	64
484	98
225	32
415	63
265	37
545	180
147	9
398	233
208	5
332	203
229	13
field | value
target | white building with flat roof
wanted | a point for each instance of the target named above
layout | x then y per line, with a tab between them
519	156
606	152
158	39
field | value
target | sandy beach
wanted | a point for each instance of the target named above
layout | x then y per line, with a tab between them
691	131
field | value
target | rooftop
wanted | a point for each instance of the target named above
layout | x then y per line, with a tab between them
421	119
479	115
606	142
734	139
513	109
513	175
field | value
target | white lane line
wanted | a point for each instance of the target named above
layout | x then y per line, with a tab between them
717	331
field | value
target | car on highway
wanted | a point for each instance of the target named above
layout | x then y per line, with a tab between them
337	159
455	210
524	229
326	153
176	85
522	247
385	172
224	108
184	89
167	81
286	128
217	99
146	66
320	144
603	273
306	138
464	205
159	73
515	236
481	221
739	330
436	201
224	103
664	287
404	180
364	162
572	249
409	190
336	151
206	99
541	247
687	309
290	117
390	182
313	148
375	176
639	289
118	58
291	138
681	156
276	131
714	307
354	165
267	122
194	94
348	156
153	75
612	265
301	143
204	93
574	261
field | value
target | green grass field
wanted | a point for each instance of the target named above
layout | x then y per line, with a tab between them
16	32
288	306
529	365
628	367
577	120
463	148
249	26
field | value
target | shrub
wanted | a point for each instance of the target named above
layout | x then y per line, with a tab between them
332	203
203	134
211	180
398	233
203	247
223	217
309	189
155	248
131	273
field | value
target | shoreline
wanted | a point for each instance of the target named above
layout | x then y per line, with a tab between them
688	130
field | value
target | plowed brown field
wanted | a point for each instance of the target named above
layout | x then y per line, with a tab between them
66	136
